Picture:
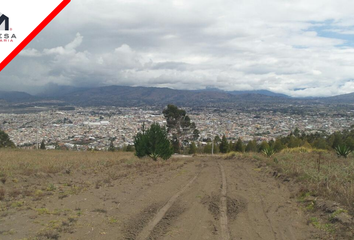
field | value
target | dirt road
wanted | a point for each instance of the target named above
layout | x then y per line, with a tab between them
222	200
193	198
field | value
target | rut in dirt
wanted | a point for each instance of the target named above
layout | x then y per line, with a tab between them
225	233
146	231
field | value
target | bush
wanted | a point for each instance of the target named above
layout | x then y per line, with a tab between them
268	151
343	151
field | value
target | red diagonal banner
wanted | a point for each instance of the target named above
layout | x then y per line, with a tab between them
33	34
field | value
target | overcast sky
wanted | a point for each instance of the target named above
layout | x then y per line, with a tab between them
295	47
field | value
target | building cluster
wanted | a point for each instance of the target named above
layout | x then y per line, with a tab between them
96	128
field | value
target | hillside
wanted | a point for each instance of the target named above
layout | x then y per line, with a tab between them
17	97
140	96
125	96
341	99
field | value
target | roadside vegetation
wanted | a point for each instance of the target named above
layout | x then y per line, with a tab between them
320	173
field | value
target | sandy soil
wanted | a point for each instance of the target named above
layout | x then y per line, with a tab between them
194	198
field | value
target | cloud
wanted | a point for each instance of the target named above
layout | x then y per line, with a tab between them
233	45
68	49
30	52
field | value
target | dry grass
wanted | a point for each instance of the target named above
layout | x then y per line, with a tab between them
32	181
232	155
31	171
31	162
323	173
2	194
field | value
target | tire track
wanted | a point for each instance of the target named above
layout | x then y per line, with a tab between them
225	233
145	233
261	201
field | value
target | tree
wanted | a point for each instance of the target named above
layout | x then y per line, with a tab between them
306	144
264	145
320	144
175	144
297	132
111	147
179	125
294	142
208	148
239	147
153	143
350	143
5	141
278	145
337	139
192	148
42	145
251	146
217	139
224	145
196	134
56	146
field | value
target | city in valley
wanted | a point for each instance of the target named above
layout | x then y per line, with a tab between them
95	127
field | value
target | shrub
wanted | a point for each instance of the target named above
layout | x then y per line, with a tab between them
343	151
268	151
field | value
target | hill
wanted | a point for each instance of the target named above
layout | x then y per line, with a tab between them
125	96
16	97
141	96
340	99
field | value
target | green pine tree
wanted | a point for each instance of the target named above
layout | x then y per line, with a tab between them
153	143
207	148
239	147
42	145
278	145
224	145
5	141
192	148
111	147
264	145
337	139
251	146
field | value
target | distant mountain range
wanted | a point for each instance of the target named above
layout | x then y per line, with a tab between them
145	96
16	97
261	92
340	99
